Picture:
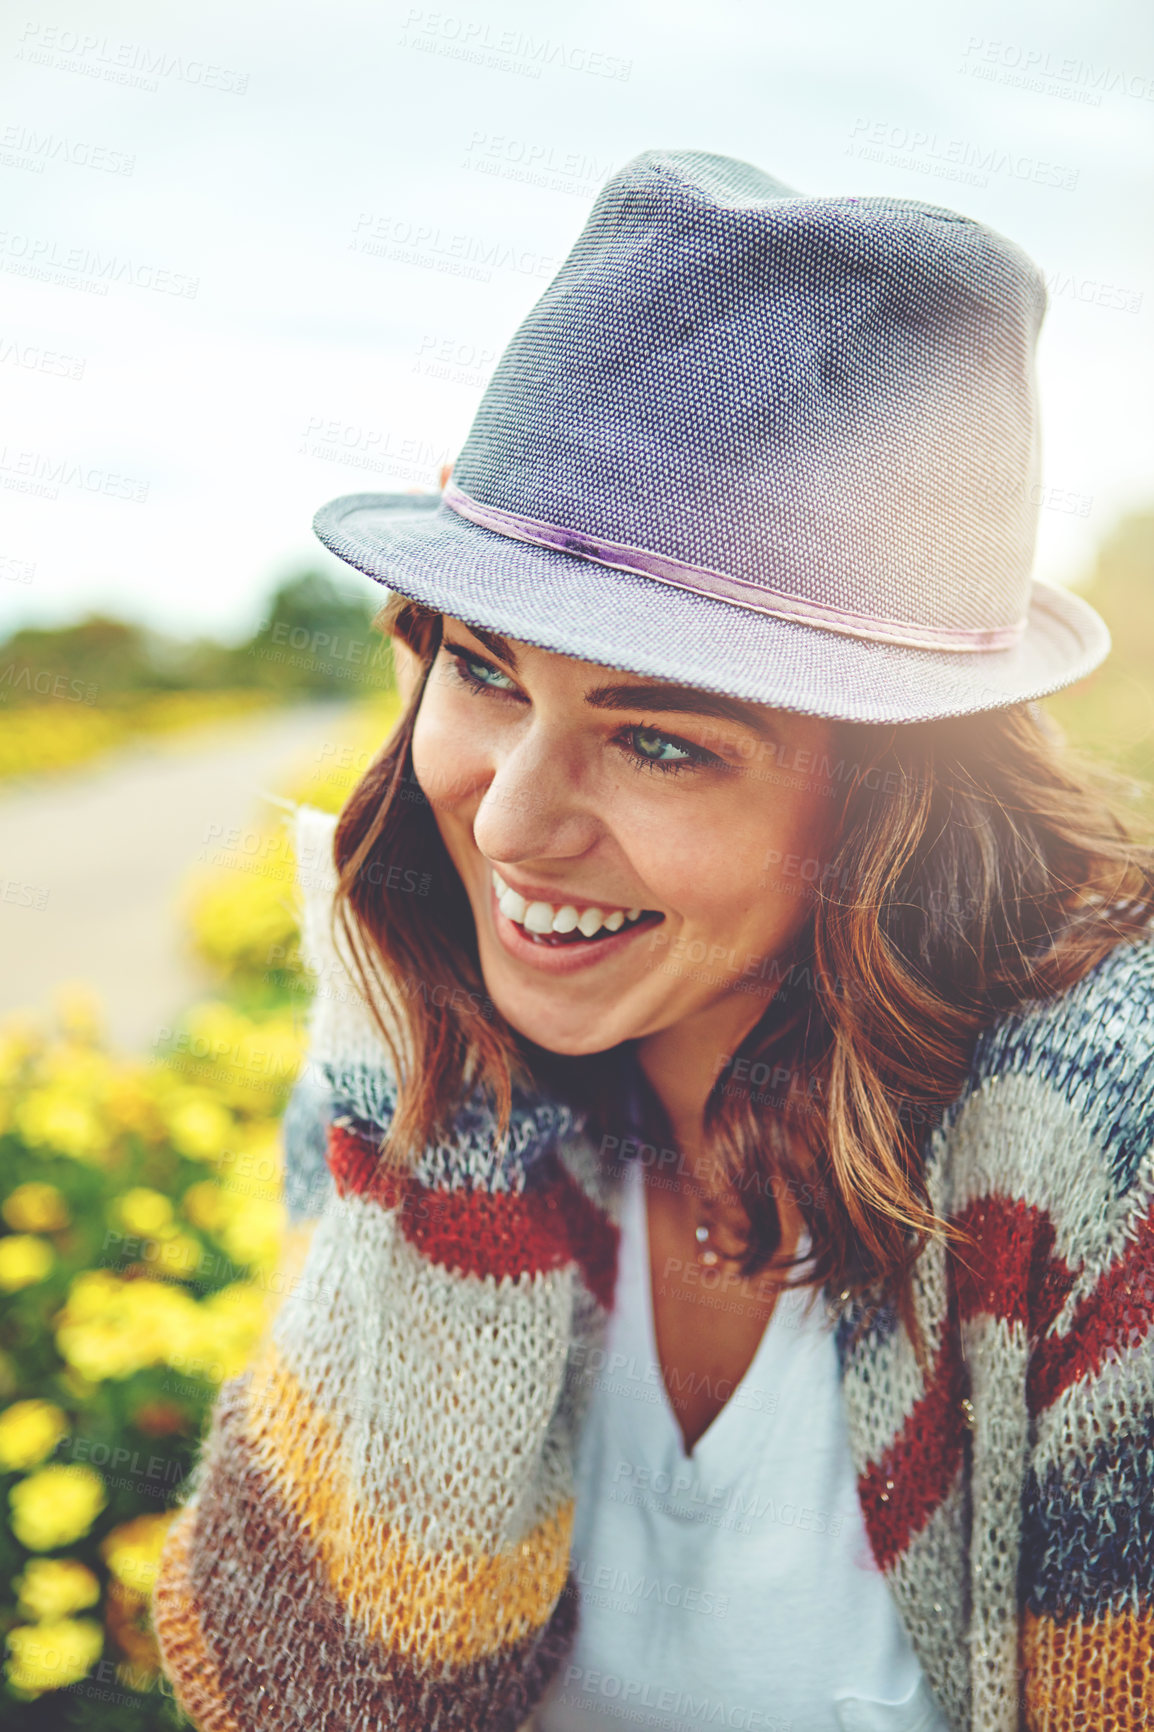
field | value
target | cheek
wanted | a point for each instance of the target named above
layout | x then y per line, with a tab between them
406	668
796	859
448	756
751	874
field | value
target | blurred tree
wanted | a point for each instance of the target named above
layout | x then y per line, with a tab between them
110	654
315	637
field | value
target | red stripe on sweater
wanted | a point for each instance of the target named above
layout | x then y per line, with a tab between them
1114	1317
1014	1273
900	1491
487	1232
356	1166
1011	1271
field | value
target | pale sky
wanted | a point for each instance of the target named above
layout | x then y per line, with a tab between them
287	206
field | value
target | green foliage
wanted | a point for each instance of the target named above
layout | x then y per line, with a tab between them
1110	715
315	637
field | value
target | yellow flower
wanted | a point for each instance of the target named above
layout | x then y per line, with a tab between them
36	1208
214	1030
55	1118
243	922
54	1587
270	1060
250	1065
256	1166
232	1321
179	1256
254	1232
206	1205
56	1506
82	1070
129	1100
112	1328
51	1655
29	1431
198	1125
144	1212
24	1260
168	1251
132	1551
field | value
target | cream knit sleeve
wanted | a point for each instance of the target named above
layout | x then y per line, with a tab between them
378	1527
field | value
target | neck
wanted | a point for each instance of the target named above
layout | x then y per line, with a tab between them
681	1065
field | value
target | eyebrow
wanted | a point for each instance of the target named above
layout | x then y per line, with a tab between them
496	645
670	699
661	695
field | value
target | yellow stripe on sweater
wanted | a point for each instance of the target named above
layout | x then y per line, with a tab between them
434	1607
1089	1672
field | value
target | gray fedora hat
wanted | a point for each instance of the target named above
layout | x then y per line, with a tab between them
779	447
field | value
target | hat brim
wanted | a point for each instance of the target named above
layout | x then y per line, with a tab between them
558	601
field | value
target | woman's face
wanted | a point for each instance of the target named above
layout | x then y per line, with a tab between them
564	791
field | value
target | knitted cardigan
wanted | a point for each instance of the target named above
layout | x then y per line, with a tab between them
376	1533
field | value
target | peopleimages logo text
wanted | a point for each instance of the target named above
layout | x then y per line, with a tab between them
955	158
121	61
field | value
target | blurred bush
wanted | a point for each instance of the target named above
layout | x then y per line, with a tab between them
1111	714
69	693
141	1202
38	737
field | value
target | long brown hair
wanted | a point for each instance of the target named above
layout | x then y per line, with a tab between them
976	865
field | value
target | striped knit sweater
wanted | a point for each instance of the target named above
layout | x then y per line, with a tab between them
376	1533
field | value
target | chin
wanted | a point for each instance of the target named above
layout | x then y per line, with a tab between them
568	1037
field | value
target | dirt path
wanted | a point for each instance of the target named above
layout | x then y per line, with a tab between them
91	864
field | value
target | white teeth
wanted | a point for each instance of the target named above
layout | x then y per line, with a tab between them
513	905
543	917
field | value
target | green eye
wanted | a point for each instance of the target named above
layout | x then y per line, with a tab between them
489	676
659	748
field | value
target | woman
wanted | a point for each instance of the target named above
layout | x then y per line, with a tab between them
720	919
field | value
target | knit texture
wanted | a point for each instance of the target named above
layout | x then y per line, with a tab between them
377	1530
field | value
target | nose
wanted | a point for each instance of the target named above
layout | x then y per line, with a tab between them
534	807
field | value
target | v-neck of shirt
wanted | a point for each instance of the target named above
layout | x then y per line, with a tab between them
715	1441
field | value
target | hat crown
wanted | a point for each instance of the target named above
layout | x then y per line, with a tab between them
826	399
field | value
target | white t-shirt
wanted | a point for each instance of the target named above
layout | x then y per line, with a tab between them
732	1587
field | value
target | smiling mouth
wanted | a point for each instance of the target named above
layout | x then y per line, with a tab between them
564	923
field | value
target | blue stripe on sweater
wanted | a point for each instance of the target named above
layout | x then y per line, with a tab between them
1095	1045
1088	1535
